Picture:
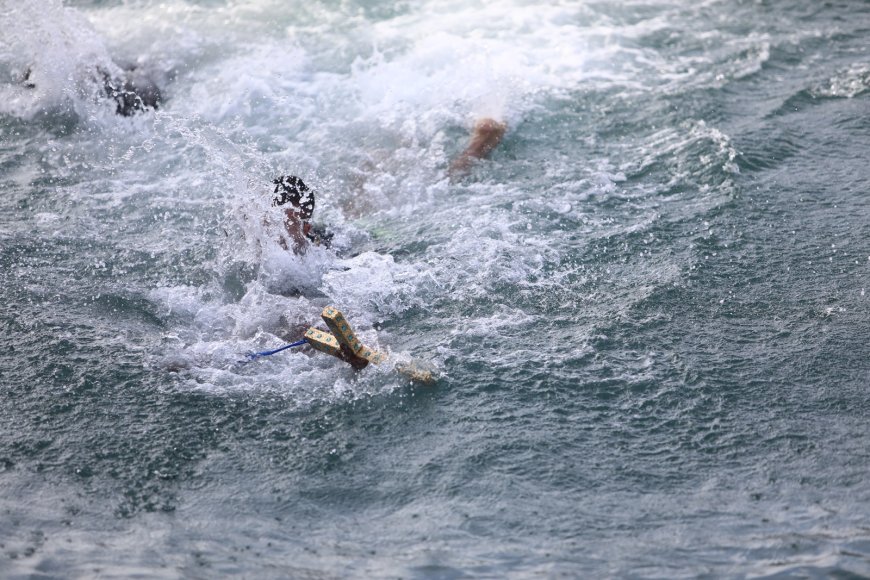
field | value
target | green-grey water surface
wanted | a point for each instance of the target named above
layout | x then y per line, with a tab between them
648	309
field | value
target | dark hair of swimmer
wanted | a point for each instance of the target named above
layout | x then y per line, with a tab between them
291	189
133	93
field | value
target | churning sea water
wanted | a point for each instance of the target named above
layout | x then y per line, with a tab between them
647	308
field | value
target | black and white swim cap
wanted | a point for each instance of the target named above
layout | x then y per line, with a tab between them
293	190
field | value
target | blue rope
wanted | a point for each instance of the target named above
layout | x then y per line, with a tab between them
255	355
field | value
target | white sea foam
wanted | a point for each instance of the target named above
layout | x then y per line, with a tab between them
847	83
55	49
368	110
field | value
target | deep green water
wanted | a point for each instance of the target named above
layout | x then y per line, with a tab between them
648	308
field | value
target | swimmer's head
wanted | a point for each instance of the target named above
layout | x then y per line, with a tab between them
290	189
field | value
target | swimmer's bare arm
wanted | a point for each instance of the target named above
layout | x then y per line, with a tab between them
485	137
296	230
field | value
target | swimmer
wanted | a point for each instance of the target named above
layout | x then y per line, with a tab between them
485	137
133	92
299	201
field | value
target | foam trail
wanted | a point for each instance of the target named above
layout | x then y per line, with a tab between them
369	110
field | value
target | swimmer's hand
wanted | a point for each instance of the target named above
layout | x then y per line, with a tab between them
485	137
320	237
